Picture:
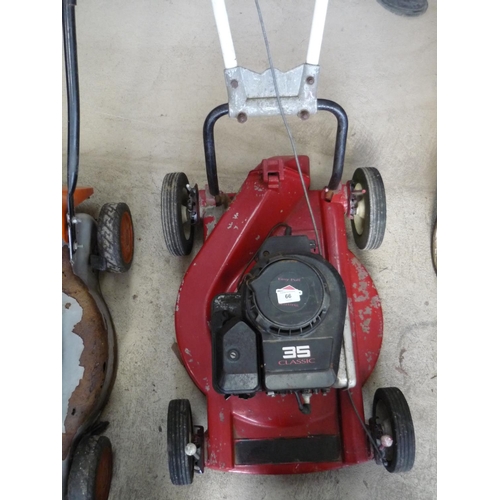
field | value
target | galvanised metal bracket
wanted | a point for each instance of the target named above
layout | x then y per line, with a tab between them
253	94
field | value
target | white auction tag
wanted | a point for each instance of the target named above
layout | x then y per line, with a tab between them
288	294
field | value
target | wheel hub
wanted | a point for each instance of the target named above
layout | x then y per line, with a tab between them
359	209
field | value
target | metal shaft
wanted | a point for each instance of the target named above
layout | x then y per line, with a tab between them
340	140
226	40
323	105
317	29
71	64
209	144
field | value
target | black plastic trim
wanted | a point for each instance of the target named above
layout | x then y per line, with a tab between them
316	449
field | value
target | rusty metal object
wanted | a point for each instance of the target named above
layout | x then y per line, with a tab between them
92	329
222	199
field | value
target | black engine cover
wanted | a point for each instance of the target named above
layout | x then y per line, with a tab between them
283	330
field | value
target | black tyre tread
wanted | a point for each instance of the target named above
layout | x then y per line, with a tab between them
108	236
402	426
373	234
409	8
434	246
171	214
81	479
179	429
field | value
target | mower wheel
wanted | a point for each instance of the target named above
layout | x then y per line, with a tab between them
179	433
115	237
369	217
91	470
178	230
392	418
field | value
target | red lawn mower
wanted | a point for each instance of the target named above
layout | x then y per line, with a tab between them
277	322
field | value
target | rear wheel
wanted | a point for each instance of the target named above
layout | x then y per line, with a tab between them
115	237
392	417
91	470
178	228
368	208
180	433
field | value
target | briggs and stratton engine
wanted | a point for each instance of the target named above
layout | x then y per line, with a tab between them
282	331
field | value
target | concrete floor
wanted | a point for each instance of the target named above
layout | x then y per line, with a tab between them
149	74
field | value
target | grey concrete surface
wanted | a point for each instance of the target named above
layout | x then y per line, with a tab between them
149	74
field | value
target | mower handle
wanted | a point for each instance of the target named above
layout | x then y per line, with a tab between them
72	89
323	105
226	39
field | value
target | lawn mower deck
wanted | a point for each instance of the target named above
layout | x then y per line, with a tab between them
268	434
278	323
89	351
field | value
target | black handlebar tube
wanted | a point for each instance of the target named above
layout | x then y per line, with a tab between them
71	63
323	105
340	140
209	144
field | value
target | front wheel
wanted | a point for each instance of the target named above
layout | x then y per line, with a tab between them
180	433
393	424
368	208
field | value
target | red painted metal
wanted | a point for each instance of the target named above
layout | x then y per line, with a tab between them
272	193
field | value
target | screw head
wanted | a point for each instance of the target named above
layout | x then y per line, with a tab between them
304	114
233	354
386	441
190	449
234	84
310	80
242	117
